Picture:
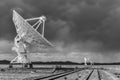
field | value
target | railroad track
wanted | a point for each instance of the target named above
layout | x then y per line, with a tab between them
63	75
99	75
67	73
53	76
39	77
89	75
94	73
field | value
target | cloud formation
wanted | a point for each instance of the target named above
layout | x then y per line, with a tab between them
82	26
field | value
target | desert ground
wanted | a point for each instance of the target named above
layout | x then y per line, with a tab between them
65	72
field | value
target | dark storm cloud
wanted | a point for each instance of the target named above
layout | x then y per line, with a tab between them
81	21
93	25
7	30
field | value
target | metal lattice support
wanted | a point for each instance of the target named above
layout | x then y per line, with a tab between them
41	20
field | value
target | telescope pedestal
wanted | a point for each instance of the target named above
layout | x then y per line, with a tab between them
25	65
21	59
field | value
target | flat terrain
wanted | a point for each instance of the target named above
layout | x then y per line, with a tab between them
102	72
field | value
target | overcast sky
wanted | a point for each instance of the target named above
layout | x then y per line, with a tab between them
78	28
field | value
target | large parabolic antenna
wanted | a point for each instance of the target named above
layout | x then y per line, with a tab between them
28	39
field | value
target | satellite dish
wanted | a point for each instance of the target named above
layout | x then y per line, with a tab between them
28	39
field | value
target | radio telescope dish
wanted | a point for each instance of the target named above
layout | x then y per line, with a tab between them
28	39
29	34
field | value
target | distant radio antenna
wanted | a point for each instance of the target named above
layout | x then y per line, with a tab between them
86	60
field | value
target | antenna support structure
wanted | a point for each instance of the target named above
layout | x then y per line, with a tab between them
26	35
